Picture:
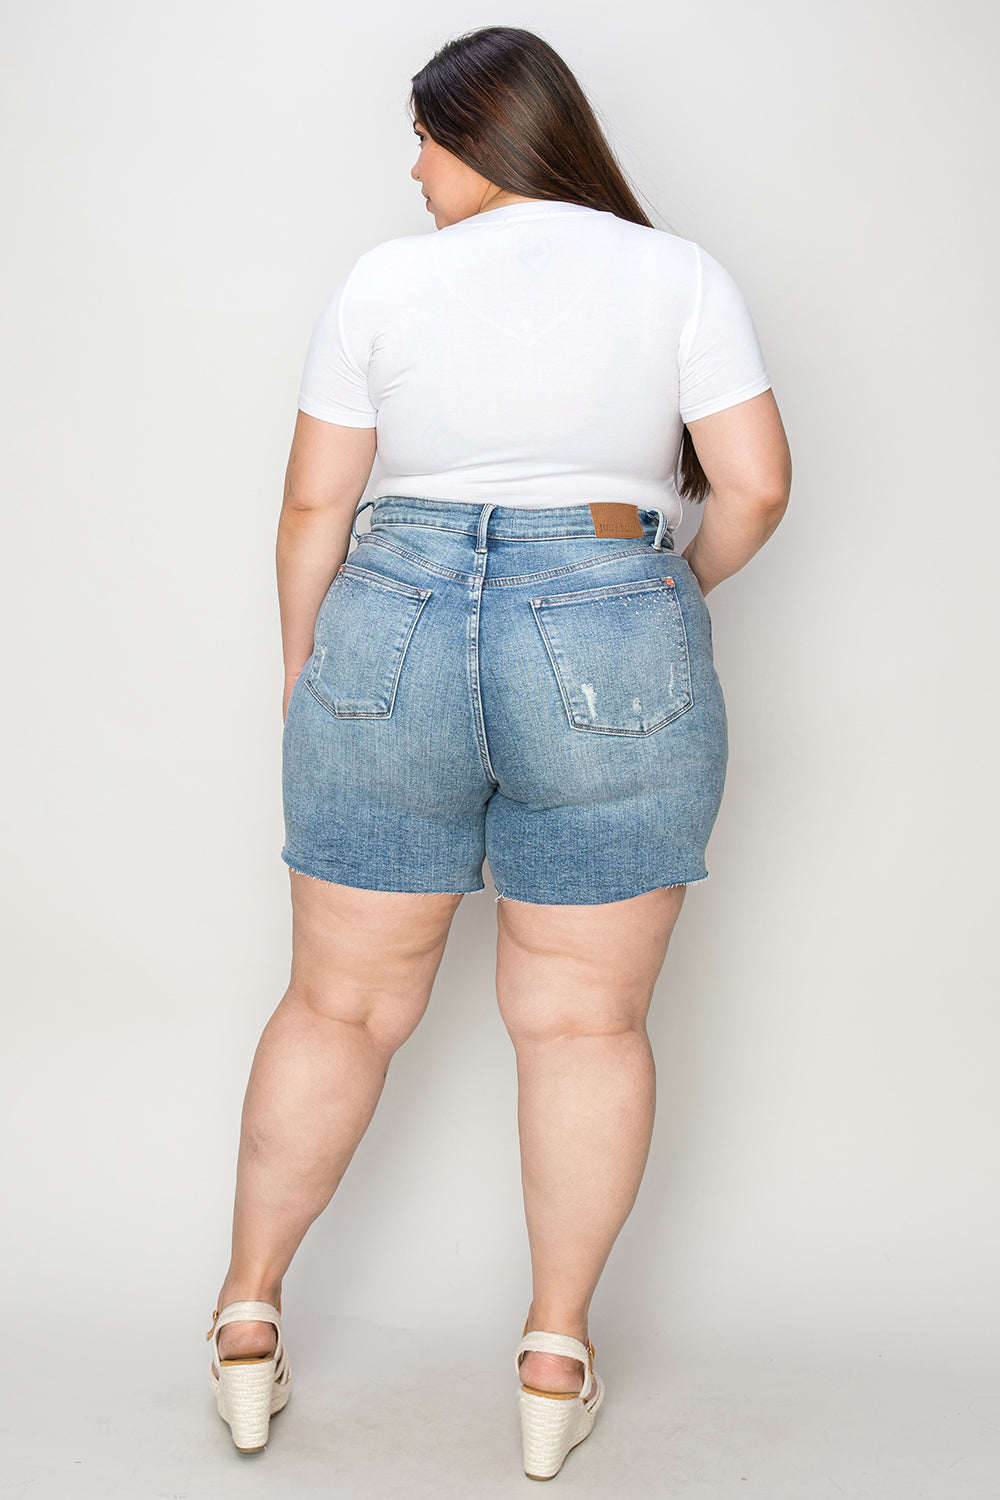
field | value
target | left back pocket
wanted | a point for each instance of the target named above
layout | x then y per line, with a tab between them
364	627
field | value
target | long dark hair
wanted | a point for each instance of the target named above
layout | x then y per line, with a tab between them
504	102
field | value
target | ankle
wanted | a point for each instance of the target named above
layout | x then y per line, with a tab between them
557	1320
249	1291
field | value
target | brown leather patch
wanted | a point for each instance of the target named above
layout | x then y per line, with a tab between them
613	518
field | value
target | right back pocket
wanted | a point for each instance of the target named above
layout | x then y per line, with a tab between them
363	630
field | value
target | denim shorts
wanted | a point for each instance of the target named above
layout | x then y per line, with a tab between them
532	686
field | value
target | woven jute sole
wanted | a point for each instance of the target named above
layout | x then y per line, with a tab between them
551	1425
248	1396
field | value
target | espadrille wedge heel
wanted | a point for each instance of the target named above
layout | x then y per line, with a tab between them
249	1391
552	1424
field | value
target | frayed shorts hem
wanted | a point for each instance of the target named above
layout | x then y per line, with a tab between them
661	885
308	868
300	867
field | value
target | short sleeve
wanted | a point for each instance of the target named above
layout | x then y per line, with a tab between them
720	358
334	382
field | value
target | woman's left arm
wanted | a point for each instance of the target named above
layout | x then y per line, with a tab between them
744	453
328	468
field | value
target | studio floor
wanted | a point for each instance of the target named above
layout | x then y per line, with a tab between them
379	1412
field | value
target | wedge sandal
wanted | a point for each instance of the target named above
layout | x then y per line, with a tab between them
553	1423
249	1391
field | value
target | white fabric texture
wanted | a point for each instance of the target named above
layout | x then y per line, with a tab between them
538	353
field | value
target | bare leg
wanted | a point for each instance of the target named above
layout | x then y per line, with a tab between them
363	966
574	984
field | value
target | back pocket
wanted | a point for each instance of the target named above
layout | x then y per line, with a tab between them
620	655
364	627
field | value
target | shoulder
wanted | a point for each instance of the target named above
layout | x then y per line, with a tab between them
386	258
660	263
704	278
677	249
385	269
659	245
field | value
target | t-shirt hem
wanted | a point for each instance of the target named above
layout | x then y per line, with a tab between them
342	415
722	403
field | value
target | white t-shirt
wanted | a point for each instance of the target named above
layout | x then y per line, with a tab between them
538	353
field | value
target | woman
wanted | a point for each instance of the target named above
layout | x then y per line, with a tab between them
513	664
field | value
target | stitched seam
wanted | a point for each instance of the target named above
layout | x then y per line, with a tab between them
516	581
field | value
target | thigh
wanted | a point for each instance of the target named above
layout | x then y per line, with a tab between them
581	969
367	957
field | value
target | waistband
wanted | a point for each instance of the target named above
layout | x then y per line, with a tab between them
482	518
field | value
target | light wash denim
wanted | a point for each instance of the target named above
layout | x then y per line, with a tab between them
496	682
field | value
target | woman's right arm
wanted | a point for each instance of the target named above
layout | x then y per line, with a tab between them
328	469
744	453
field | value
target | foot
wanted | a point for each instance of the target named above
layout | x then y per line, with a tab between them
556	1373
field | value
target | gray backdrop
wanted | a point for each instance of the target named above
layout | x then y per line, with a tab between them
184	186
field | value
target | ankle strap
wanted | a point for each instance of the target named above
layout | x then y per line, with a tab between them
554	1343
245	1312
560	1343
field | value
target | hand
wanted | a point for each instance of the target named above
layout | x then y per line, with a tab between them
291	678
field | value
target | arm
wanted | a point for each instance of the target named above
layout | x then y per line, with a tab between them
328	468
744	452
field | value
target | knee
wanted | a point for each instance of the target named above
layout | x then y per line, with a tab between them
572	1019
384	1019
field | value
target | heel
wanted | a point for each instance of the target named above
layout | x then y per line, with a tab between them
550	1426
249	1391
245	1400
554	1422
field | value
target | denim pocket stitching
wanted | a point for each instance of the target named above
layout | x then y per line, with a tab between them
395	647
555	650
379	581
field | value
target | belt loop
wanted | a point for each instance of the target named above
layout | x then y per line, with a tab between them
484	521
357	513
654	510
